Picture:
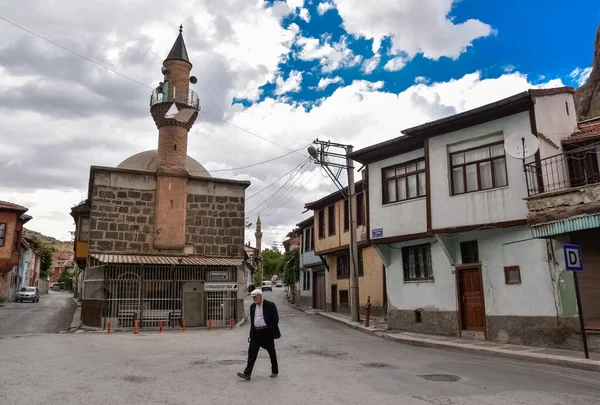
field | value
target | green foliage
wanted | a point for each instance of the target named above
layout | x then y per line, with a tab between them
290	267
66	279
271	262
46	252
257	278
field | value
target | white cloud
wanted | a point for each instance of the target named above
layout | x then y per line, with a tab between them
509	68
304	14
331	56
371	64
326	81
421	79
322	8
581	75
414	26
395	64
291	85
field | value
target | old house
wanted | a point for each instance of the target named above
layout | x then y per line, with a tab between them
61	261
314	276
12	219
564	207
448	215
161	240
332	238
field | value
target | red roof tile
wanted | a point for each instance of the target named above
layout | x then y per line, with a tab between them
587	130
5	205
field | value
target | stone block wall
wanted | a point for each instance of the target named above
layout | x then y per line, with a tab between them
121	220
215	225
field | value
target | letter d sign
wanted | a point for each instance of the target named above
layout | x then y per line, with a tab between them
573	260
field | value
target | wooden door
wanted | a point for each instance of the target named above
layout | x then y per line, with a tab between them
472	309
319	290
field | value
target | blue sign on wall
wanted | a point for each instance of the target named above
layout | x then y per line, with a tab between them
573	257
377	233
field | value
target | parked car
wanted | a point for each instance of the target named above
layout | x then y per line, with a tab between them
28	294
57	287
267	285
279	284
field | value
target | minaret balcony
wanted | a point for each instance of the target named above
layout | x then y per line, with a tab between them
166	95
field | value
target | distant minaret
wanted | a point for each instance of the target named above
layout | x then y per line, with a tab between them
258	234
174	109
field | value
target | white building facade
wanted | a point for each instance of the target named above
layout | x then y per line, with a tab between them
448	214
314	277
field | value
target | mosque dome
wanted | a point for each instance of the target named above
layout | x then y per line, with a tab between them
147	161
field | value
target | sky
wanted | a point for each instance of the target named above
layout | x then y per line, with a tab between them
273	76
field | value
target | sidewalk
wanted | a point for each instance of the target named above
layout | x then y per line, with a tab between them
556	357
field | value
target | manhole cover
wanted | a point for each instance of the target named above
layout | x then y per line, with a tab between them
440	377
378	365
227	362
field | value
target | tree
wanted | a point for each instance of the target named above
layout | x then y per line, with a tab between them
67	279
46	252
271	262
290	267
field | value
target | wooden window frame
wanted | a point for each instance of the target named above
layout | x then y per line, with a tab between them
463	247
3	233
477	164
346	216
341	258
360	208
403	177
346	294
507	270
322	228
312	238
331	220
79	228
428	264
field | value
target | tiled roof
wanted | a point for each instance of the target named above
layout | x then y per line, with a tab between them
587	130
167	260
5	205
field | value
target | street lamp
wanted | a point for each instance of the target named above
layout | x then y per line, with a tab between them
322	156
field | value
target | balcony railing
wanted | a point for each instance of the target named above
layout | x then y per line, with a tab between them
189	98
571	169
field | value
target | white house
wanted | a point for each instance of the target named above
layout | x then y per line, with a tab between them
314	278
447	211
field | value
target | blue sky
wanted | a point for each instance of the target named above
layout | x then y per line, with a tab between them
543	39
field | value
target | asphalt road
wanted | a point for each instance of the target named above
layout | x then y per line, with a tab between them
321	362
54	313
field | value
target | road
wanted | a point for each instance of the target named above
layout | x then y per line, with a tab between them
54	313
321	362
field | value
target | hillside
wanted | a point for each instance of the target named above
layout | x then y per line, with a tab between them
63	246
587	97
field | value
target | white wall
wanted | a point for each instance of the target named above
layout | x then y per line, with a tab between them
401	218
553	121
496	205
437	295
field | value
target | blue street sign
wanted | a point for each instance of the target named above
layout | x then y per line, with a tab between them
377	233
573	259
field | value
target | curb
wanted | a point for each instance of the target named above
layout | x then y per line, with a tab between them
566	362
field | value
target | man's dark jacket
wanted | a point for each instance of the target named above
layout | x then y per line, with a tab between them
271	318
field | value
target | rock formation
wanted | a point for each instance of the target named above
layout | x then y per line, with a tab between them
587	97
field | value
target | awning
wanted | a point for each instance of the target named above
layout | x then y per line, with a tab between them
167	260
573	224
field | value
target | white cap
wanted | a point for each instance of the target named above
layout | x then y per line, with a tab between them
256	292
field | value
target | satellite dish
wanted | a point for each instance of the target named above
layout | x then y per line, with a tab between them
521	145
312	151
193	80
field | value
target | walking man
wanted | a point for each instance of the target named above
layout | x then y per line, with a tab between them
264	329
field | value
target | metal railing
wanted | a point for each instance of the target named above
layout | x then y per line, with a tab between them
575	168
172	95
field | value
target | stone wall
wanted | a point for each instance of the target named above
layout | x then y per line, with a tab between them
215	225
563	204
432	322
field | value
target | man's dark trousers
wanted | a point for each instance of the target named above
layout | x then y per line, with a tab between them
262	338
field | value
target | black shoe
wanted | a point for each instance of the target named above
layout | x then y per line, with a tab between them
244	376
274	375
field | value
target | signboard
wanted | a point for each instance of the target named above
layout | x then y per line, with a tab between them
217	275
377	233
573	257
220	286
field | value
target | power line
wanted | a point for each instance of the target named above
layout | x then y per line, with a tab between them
135	81
295	168
259	163
292	196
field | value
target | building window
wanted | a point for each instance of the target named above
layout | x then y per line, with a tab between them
2	234
360	209
306	281
308	242
361	270
512	275
346	216
343	266
476	169
343	297
469	252
321	224
331	219
416	262
404	182
84	229
312	238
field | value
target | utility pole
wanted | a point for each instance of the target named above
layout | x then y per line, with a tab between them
323	157
354	298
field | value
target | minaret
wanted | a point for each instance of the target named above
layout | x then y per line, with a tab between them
174	108
258	234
